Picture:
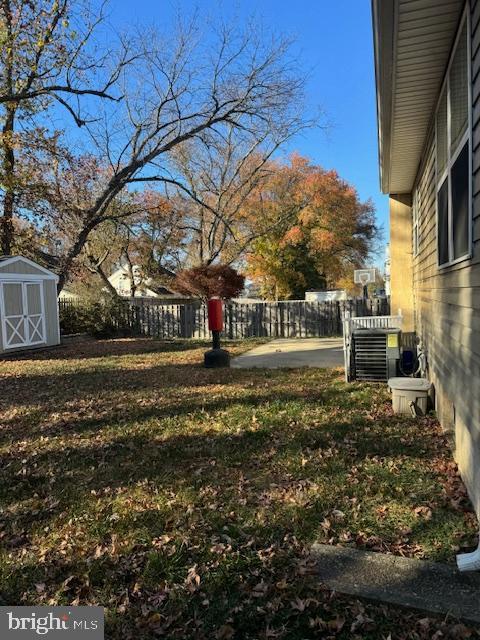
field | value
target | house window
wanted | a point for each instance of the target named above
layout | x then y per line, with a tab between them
453	158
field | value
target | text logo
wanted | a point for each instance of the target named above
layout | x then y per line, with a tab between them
58	623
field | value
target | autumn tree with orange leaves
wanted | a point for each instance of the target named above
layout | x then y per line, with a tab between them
319	230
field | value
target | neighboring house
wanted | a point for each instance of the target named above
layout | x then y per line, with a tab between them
427	58
326	296
121	281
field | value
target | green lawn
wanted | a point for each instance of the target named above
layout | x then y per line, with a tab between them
184	500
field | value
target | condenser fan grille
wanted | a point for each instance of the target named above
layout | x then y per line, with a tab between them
370	356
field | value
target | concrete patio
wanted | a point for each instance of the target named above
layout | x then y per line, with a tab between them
293	353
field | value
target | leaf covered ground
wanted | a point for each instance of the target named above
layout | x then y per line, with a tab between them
185	500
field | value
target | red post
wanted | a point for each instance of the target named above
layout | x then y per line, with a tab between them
216	357
215	314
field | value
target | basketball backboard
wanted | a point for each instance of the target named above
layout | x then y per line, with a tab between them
364	276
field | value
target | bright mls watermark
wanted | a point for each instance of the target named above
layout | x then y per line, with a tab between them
58	623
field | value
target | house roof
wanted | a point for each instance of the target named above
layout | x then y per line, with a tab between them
124	269
412	40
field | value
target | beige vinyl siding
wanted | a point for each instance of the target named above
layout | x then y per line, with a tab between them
420	52
447	301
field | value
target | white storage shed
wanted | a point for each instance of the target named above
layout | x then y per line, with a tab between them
28	305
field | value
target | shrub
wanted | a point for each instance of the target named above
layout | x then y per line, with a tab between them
210	281
73	317
102	318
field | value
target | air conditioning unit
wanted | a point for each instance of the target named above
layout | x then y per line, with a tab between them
375	354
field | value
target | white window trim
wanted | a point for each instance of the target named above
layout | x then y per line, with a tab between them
439	179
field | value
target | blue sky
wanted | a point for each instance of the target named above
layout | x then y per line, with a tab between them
334	42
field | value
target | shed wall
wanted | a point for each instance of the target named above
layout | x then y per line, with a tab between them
51	313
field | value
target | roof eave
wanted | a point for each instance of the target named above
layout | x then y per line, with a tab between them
406	75
383	18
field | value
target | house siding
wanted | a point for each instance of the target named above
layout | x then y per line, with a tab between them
447	301
401	278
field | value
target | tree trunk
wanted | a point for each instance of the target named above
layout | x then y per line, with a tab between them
133	286
96	267
106	281
6	225
72	254
6	228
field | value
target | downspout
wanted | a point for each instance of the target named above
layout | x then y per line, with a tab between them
469	561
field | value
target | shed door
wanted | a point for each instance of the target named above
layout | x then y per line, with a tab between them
23	314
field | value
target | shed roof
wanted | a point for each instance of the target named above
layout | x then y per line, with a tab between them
34	266
413	40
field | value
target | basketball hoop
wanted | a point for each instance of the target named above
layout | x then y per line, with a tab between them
364	277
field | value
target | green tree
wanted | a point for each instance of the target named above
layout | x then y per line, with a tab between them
284	273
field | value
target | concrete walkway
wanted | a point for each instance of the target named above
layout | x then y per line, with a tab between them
293	353
419	584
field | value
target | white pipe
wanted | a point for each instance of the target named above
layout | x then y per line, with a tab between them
346	344
469	561
422	360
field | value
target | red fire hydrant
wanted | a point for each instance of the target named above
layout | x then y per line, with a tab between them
216	357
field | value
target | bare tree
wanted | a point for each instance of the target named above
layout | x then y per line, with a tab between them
212	180
101	251
177	90
150	239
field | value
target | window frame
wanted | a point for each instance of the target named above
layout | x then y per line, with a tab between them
451	158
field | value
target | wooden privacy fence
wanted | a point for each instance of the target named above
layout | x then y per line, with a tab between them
289	319
284	319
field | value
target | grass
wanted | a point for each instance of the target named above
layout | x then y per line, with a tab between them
185	500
